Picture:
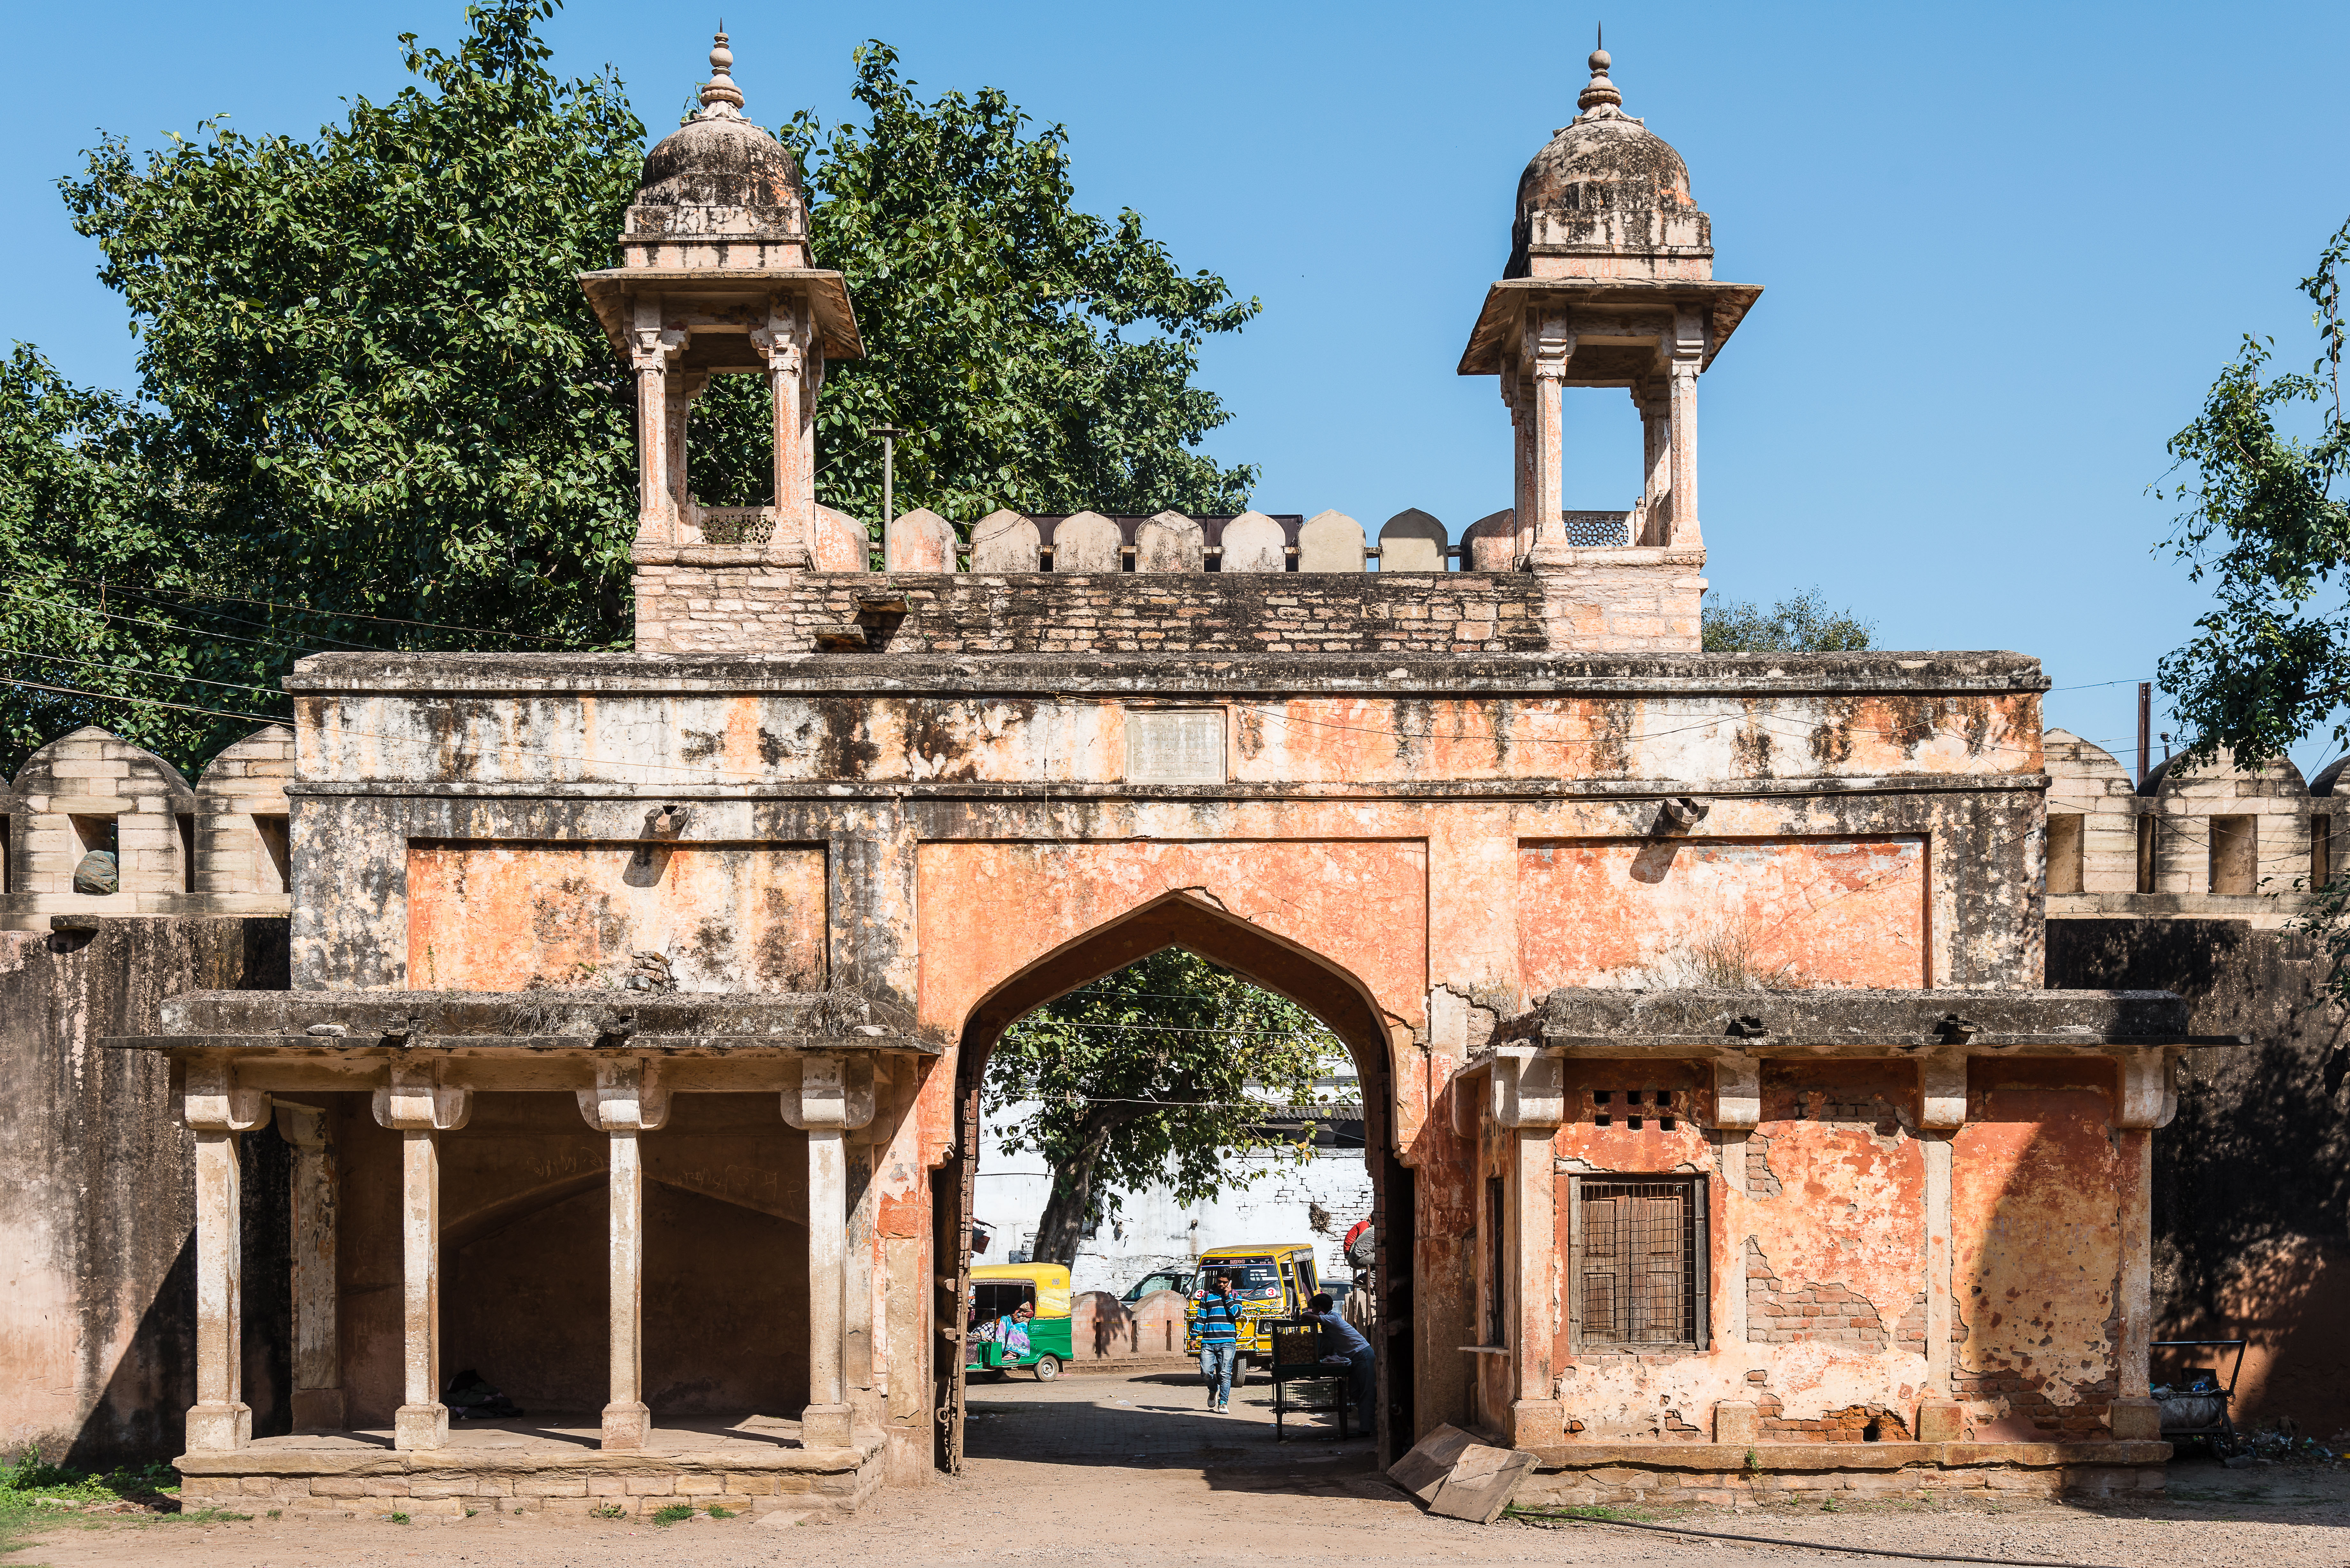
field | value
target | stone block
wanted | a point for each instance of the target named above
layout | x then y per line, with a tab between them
544	1485
699	1485
1736	1422
651	1486
607	1485
752	1483
1422	1470
330	1486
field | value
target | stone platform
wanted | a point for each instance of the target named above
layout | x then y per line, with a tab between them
1578	1474
539	1466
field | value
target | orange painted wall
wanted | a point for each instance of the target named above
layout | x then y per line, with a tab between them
500	917
2036	1184
1810	912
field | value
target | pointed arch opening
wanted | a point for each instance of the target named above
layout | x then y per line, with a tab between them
1327	990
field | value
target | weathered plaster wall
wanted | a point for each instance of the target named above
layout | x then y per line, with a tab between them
1370	828
2035	1175
96	1283
1679	912
728	916
2252	1180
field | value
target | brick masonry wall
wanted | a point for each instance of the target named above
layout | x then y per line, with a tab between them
701	609
456	1483
1615	606
1784	1312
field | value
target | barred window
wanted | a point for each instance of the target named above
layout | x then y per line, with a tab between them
1636	1252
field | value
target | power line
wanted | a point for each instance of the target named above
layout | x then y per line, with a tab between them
69	607
133	669
337	615
142	702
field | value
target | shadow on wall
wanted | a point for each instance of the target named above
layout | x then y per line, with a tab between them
2252	1177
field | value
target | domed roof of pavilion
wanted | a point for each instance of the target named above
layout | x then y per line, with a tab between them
719	159
1603	161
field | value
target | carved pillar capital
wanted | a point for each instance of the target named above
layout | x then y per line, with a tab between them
628	1096
210	1101
824	1091
416	1100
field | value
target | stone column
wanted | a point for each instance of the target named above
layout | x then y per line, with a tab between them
2149	1100
217	1110
651	349
1550	352
420	1108
833	1097
679	394
1527	1097
318	1405
1521	460
628	1099
1657	444
1942	1100
794	368
1687	357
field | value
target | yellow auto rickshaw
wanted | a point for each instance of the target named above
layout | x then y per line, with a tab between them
996	1340
1272	1281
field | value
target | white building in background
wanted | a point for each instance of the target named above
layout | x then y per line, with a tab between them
1314	1201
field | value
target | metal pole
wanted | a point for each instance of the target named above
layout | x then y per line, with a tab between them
888	435
2145	729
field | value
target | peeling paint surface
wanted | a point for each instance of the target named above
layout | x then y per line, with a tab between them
2033	1209
505	917
1671	911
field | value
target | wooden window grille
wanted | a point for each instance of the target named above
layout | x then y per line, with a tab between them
1637	1250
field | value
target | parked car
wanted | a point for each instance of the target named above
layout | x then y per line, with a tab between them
1176	1280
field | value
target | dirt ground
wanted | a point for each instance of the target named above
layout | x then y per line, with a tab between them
1132	1471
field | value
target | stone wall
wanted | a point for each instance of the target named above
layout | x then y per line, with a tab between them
2251	1180
692	611
97	1323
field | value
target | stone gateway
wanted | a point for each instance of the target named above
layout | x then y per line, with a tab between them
1723	1138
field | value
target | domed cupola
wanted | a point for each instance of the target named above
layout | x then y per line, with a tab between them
718	190
1608	197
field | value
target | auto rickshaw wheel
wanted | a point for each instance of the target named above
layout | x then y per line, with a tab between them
1047	1368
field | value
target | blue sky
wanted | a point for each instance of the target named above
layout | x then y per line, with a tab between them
2006	246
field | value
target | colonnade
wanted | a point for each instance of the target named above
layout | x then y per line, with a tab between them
827	1095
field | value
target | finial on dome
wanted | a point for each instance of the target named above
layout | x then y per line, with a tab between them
1599	90
721	99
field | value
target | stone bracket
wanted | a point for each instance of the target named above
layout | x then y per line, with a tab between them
1737	1092
628	1096
1942	1090
415	1100
832	1092
2149	1088
210	1101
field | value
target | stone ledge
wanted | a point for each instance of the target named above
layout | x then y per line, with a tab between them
571	1465
1803	1457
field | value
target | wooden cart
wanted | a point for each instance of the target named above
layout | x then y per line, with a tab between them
1298	1347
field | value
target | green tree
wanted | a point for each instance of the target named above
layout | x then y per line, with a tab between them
1803	624
2266	524
1157	1073
374	408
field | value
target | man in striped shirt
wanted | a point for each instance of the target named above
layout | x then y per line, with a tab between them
1218	1316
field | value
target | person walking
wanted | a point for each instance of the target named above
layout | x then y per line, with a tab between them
1362	1366
1217	1313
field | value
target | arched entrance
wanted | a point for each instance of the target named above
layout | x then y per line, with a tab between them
1180	919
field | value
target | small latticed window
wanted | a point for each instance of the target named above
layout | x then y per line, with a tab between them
1638	1250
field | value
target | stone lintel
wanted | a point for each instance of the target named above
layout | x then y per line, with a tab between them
276	1461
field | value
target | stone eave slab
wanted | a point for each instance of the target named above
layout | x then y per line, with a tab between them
1726	303
443	675
331	1022
1595	1021
826	291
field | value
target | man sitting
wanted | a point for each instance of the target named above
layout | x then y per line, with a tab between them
1362	1366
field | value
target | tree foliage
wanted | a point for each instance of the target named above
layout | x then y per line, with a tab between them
1159	1072
1803	624
2266	524
374	408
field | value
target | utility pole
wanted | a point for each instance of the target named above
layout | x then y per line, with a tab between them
2145	729
888	435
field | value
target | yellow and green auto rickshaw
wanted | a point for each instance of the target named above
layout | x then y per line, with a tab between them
996	1339
1271	1282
